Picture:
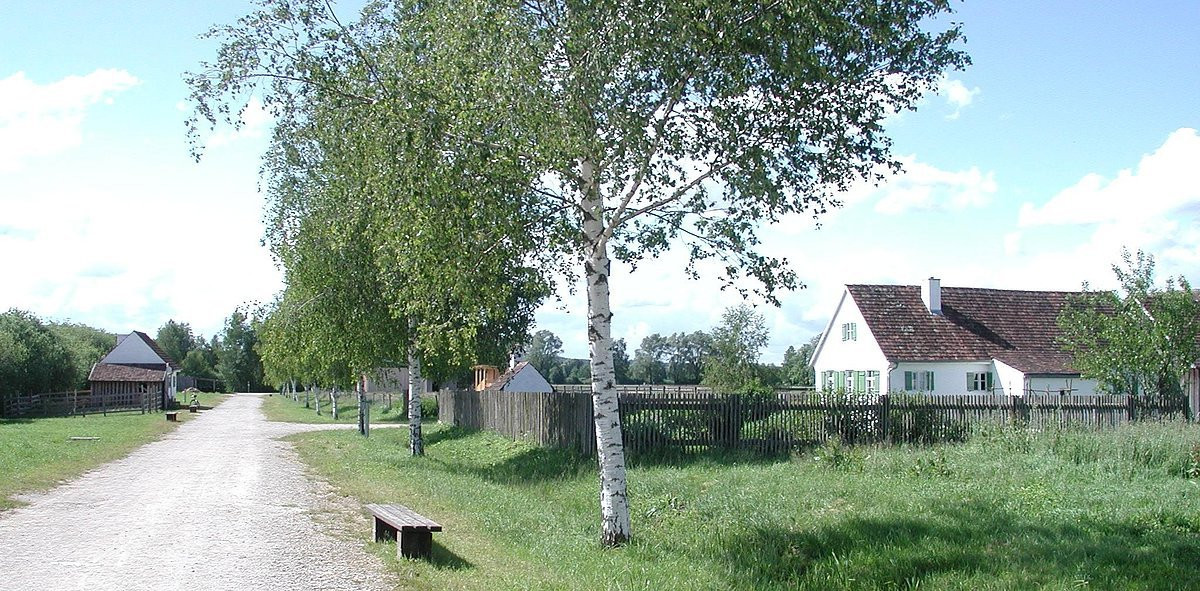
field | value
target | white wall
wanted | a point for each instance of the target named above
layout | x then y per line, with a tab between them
528	379
861	354
949	377
1009	380
132	349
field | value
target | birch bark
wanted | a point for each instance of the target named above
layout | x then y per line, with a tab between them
415	387
610	450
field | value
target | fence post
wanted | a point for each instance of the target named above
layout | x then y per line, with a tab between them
885	408
1131	410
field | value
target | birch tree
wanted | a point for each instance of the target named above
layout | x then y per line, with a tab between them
638	126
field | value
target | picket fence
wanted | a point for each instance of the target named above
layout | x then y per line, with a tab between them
692	418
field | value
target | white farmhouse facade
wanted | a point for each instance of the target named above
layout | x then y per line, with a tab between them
902	338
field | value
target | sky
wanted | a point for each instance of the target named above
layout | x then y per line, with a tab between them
1073	134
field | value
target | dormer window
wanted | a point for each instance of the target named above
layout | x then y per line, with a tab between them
850	331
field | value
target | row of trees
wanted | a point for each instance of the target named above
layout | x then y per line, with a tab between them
438	166
678	358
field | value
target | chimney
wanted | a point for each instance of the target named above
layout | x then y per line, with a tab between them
931	294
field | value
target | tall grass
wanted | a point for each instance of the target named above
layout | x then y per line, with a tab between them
1008	509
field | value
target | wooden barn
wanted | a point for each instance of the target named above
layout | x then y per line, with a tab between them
136	369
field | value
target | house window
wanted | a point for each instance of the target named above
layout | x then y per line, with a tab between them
918	381
848	380
979	381
850	331
872	382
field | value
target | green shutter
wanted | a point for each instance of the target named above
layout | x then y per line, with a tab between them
908	380
860	381
929	380
991	382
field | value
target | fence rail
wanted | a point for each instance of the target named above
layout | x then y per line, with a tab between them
77	402
692	417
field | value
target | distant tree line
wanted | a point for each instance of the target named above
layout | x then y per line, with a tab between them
38	356
724	355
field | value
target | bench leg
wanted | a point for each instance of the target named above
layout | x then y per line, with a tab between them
383	531
415	544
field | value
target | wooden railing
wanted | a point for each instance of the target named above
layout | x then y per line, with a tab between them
77	402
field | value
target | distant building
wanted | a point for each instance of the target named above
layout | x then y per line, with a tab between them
136	365
520	377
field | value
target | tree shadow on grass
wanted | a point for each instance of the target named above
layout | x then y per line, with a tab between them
20	421
976	542
434	437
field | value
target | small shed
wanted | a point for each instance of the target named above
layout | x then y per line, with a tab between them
136	366
521	377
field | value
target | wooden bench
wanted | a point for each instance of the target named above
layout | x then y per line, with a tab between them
172	416
415	530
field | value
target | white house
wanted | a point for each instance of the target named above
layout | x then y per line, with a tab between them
952	340
136	364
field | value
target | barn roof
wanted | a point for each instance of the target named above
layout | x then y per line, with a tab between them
157	350
110	372
1019	328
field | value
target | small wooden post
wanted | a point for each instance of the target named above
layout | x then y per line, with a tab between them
1131	409
885	412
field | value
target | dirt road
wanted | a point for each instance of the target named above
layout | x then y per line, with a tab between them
217	504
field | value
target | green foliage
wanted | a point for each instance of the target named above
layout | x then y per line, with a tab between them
797	371
1141	340
32	358
429	407
86	345
736	345
238	362
176	340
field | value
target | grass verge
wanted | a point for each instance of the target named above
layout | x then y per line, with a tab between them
1006	510
283	408
39	454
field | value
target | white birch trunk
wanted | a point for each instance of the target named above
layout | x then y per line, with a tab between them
333	402
610	450
415	386
295	398
317	403
363	417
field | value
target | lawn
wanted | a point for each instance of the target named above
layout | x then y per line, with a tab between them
283	408
1006	510
38	454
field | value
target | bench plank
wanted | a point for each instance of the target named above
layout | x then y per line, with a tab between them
403	518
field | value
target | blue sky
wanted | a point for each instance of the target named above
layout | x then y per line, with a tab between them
1072	134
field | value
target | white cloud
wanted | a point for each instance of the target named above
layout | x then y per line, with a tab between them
922	186
1165	182
956	94
254	119
40	120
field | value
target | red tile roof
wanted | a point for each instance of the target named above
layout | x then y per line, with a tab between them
1020	328
110	372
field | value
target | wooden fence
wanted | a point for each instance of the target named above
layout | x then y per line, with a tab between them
77	402
694	418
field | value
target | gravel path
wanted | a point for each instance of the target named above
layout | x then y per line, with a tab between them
216	504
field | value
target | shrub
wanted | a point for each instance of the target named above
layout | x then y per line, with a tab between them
429	407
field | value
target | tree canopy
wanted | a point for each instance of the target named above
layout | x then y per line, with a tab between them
1141	339
579	132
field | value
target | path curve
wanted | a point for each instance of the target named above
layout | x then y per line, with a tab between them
219	504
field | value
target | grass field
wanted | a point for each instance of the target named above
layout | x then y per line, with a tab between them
38	454
1006	510
283	408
